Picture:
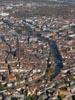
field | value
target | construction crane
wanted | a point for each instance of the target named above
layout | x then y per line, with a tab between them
18	53
11	51
48	69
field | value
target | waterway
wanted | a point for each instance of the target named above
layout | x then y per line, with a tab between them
57	57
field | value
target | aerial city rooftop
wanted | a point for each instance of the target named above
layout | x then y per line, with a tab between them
37	51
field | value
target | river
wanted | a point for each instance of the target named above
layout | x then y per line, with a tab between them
57	58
